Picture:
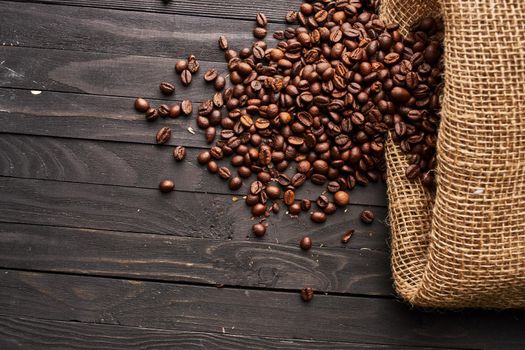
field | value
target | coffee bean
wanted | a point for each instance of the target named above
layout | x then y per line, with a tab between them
367	216
256	187
204	157
210	134
318	179
175	111
330	209
322	201
224	173
307	294
193	64
152	115
179	153
291	17
264	176
261	20
318	217
306	204
186	107
216	153
219	83
259	230
235	183
341	198
298	180
333	187
289	197
276	207
210	75
141	105
180	66
258	210
223	43
166	186
345	238
259	32
167	88
186	77
295	209
273	192
163	111
305	243
163	135
400	94
412	172
213	167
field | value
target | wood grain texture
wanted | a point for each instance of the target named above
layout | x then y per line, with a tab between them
31	333
251	312
179	213
123	32
98	73
182	259
238	9
125	164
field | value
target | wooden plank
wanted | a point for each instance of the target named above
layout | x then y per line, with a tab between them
238	9
125	164
182	259
179	213
251	312
98	73
32	333
123	32
88	117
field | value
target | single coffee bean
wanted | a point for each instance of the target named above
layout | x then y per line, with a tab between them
224	173
322	201
273	192
163	111
223	43
166	186
307	294
289	197
179	153
167	88
163	135
216	152
219	83
256	187
193	64
400	95
295	209
204	157
259	32
276	207
259	230
306	204
180	66
345	238
261	20
264	176
258	210
298	180
367	216
333	186
318	217
186	107
251	200
303	166
210	75
305	243
152	115
213	167
186	77
341	198
235	183
412	171
175	111
330	209
141	105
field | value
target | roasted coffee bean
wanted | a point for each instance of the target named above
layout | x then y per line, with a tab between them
223	42
152	114
163	135
273	192
259	32
261	20
175	111
341	198
141	105
307	294
167	88
210	75
216	152
186	107
235	183
210	134
213	167
345	238
318	179
256	187
298	180
180	66
306	204
333	187
412	171
204	157
163	111
193	64
166	186
289	197
305	243
367	216
295	209
219	83
259	230
186	77
276	207
258	210
179	153
224	173
264	176
322	201
318	217
330	209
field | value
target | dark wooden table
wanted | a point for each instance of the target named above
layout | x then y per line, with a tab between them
93	256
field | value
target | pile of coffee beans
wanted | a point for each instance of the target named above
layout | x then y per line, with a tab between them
317	107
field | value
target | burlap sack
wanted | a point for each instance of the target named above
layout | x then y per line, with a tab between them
465	246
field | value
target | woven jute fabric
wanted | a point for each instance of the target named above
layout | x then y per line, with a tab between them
464	245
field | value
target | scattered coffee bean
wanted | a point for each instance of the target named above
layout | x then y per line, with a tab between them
175	111
163	135
305	243
306	204
307	294
167	88
166	186
186	77
295	209
163	111
273	192
289	197
259	230
141	105
367	216
180	66
210	75
152	114
318	217
330	209
204	157
261	20
179	153
258	210
341	198
223	42
193	64
235	183
213	167
186	107
347	235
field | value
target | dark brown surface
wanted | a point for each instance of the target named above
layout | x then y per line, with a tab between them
92	254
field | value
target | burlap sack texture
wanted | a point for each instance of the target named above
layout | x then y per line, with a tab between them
465	245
